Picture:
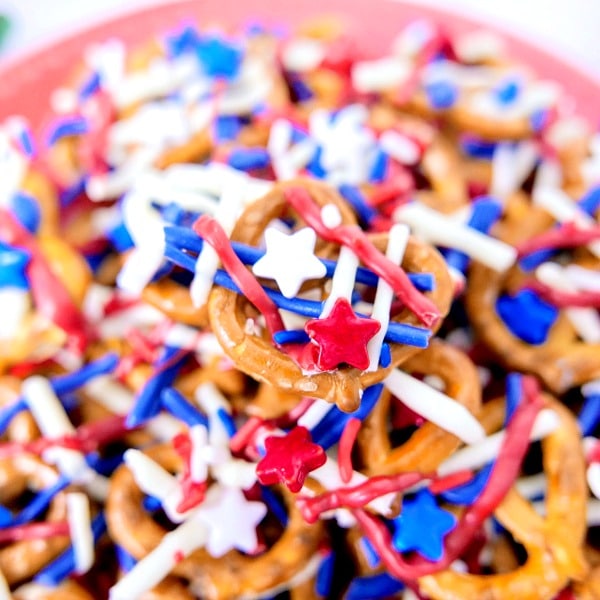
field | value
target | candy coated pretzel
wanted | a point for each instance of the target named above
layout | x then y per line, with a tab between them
563	361
553	543
232	576
255	355
430	444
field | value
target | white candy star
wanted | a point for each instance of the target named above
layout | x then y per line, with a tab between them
231	520
289	260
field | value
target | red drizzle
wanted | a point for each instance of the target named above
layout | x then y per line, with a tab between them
211	231
355	239
567	235
345	445
33	531
562	299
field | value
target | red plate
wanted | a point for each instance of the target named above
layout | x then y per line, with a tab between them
28	81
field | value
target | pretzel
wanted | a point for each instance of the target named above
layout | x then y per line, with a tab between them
228	311
233	576
429	445
22	560
562	361
68	590
553	543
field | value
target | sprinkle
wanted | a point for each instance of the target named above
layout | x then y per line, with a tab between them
249	158
82	539
508	91
441	230
467	493
180	407
61	567
289	260
41	501
409	533
324	578
351	348
147	404
356	240
158	563
593	478
314	414
379	75
66	127
400	147
435	406
289	459
27	211
583	279
302	55
373	587
511	165
231	520
329	428
589	414
397	240
342	284
331	216
514	394
441	94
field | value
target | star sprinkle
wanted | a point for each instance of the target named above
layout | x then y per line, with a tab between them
289	260
12	267
422	526
342	337
231	520
289	459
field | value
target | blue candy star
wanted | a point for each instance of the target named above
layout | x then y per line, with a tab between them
422	526
218	57
12	267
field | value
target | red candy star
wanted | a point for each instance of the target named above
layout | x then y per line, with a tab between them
289	459
342	337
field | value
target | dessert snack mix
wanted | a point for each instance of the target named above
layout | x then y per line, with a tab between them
284	321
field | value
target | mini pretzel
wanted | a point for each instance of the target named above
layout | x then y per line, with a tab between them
429	445
228	311
233	576
68	590
441	162
553	543
562	361
22	560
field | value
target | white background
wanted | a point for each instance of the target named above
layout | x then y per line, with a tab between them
570	28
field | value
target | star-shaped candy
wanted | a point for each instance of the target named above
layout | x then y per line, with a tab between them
289	459
342	337
289	259
12	267
231	520
422	526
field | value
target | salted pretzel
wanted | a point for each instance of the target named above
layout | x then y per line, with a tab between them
563	361
23	559
429	445
232	576
553	543
255	355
